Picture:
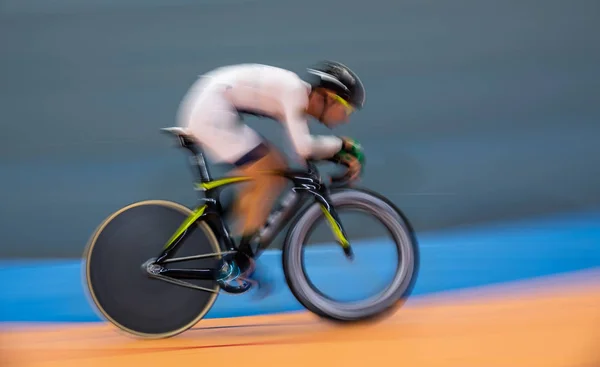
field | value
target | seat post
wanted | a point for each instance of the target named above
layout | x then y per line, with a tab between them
199	163
202	167
197	160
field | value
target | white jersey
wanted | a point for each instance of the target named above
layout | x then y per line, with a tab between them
210	110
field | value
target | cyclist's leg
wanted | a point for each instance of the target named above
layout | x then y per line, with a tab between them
253	205
255	199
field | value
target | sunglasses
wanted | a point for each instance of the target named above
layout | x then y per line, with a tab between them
347	106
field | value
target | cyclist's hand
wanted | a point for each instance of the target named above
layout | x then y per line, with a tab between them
354	148
351	156
353	164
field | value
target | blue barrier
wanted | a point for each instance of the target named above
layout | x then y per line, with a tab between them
52	291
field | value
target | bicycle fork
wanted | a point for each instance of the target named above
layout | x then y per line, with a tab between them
336	226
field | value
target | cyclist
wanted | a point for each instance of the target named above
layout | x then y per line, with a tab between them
211	110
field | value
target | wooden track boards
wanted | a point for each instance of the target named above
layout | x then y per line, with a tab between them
551	326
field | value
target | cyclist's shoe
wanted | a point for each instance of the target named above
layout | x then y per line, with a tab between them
239	273
233	278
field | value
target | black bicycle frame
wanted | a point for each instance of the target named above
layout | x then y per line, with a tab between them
305	183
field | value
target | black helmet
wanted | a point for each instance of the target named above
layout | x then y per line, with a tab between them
340	79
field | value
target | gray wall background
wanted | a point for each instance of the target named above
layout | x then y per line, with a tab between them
476	110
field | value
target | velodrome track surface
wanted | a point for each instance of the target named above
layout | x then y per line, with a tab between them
516	294
550	322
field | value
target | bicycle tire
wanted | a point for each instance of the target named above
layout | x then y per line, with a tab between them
173	214
397	292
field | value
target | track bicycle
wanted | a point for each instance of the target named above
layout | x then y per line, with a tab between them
129	272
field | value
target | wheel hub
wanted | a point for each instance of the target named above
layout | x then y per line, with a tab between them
151	268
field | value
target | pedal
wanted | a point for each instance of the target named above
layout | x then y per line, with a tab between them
233	280
243	285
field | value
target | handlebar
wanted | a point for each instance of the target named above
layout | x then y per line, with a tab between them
339	180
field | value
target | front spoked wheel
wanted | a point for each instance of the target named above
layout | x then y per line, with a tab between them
117	276
368	253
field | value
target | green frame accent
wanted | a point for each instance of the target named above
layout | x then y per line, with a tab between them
210	185
196	214
336	228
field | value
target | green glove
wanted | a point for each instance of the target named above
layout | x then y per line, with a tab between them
354	148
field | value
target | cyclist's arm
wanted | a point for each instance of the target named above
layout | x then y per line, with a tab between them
307	145
296	124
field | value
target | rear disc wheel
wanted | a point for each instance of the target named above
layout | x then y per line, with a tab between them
119	285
